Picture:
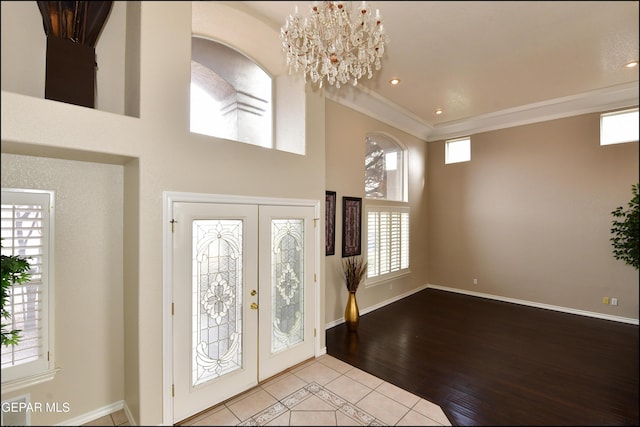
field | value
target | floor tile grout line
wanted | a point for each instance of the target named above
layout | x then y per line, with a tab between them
425	415
322	387
278	401
289	409
371	390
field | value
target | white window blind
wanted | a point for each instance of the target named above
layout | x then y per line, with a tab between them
25	232
387	241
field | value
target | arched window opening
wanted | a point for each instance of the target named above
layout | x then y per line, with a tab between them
384	168
387	224
231	96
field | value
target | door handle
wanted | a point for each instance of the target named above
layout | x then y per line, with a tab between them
254	306
253	292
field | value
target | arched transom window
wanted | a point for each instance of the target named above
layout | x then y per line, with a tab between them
231	95
384	168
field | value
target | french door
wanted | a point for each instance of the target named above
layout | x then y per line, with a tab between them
243	298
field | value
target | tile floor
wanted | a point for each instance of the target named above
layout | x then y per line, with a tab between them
118	418
321	392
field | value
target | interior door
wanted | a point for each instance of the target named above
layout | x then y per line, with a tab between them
215	332
243	298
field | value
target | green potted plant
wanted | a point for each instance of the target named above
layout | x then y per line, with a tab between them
625	230
15	269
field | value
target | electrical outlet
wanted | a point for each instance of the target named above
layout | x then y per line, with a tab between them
475	281
605	300
614	301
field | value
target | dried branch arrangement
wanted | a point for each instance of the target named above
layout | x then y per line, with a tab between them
354	269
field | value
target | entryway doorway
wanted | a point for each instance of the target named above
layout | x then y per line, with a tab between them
243	297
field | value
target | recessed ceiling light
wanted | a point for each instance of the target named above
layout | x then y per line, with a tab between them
632	64
394	82
438	111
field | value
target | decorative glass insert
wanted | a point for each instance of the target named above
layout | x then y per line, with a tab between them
287	283
217	299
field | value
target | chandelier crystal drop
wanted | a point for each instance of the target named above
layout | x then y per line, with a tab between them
331	44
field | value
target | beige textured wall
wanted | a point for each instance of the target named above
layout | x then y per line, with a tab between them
88	283
529	216
345	149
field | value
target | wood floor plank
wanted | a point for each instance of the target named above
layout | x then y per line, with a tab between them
488	362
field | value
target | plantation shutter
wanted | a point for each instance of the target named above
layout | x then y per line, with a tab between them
25	223
388	240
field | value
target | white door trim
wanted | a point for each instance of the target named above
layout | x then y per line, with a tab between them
168	199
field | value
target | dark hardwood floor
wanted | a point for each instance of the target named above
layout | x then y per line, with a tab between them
487	362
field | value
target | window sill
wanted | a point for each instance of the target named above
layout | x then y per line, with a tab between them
380	280
20	383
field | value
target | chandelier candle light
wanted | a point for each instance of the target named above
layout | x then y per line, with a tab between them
332	44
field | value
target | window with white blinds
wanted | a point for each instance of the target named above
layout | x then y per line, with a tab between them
26	226
387	242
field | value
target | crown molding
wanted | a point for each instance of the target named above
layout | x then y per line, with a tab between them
379	108
605	99
376	106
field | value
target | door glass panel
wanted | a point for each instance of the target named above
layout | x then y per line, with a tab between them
217	299
287	283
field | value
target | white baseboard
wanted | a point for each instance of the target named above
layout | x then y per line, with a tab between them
379	305
127	412
98	413
538	305
621	319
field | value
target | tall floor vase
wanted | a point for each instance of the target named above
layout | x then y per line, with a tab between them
351	313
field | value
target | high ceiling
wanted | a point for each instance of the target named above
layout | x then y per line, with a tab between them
483	62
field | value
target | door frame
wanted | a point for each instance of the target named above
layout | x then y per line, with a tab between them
168	199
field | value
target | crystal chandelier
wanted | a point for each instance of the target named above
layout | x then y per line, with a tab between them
331	44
